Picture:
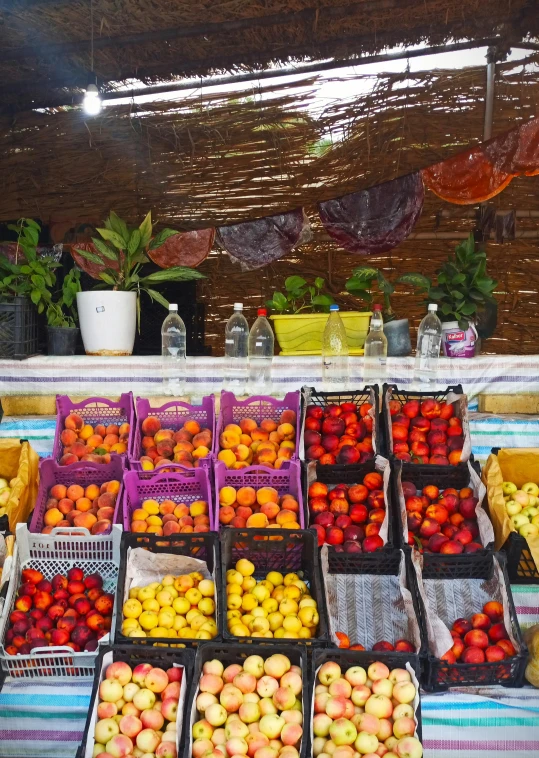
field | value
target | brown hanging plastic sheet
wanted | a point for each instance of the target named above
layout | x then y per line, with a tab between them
256	243
377	219
184	249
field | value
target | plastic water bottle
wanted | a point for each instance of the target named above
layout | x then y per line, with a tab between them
236	362
375	357
261	342
335	352
429	337
173	341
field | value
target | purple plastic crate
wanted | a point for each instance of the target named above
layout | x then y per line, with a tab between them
258	407
172	415
83	473
180	488
94	410
286	480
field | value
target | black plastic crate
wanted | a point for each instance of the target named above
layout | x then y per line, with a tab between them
346	563
358	397
133	655
438	675
287	551
233	653
18	329
204	547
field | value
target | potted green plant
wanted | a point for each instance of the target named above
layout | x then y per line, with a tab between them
362	284
108	314
62	317
464	294
300	315
26	281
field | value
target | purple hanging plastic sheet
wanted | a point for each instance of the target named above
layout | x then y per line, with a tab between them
256	243
377	219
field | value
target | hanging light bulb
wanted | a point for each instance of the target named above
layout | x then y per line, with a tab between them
92	101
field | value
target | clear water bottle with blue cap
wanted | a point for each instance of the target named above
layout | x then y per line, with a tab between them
335	371
173	343
236	352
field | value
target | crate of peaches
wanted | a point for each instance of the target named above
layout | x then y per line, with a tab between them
175	432
168	590
138	703
426	427
351	510
340	429
249	700
365	704
471	626
272	587
92	430
258	430
259	497
442	515
84	495
59	604
168	502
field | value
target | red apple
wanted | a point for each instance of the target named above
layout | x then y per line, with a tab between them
334	535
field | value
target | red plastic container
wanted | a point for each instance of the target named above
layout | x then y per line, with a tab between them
284	480
83	473
187	487
172	415
94	410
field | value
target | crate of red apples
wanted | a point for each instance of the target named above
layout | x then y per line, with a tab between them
472	629
375	605
350	510
426	427
340	429
443	514
59	603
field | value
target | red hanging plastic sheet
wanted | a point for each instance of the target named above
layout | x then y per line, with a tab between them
92	269
256	243
184	249
377	219
517	151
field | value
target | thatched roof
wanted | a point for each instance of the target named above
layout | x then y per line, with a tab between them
45	51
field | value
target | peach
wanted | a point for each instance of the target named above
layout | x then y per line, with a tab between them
68	437
257	521
58	491
267	495
53	517
270	509
86	520
248	425
83	504
286	431
227	496
86	432
246	496
105	513
74	422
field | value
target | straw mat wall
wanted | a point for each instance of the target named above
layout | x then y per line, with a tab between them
217	159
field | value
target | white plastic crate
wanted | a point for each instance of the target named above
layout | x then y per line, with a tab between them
52	554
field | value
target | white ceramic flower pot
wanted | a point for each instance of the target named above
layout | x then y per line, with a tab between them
108	320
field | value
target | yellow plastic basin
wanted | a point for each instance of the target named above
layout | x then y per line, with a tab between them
302	333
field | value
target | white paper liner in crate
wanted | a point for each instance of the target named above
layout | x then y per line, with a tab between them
446	600
486	530
415	702
381	465
306	394
461	412
370	608
195	716
108	658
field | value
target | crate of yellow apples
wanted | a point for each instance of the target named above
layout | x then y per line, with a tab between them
167	595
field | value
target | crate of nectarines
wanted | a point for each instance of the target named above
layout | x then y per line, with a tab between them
259	430
168	502
175	432
93	429
442	515
340	428
428	428
85	495
59	606
471	626
259	497
272	587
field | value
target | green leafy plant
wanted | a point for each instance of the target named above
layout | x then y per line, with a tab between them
29	276
299	296
63	311
122	250
463	291
361	284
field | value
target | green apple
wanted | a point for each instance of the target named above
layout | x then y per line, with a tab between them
522	497
528	530
530	511
512	508
518	521
531	488
509	488
533	500
535	520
